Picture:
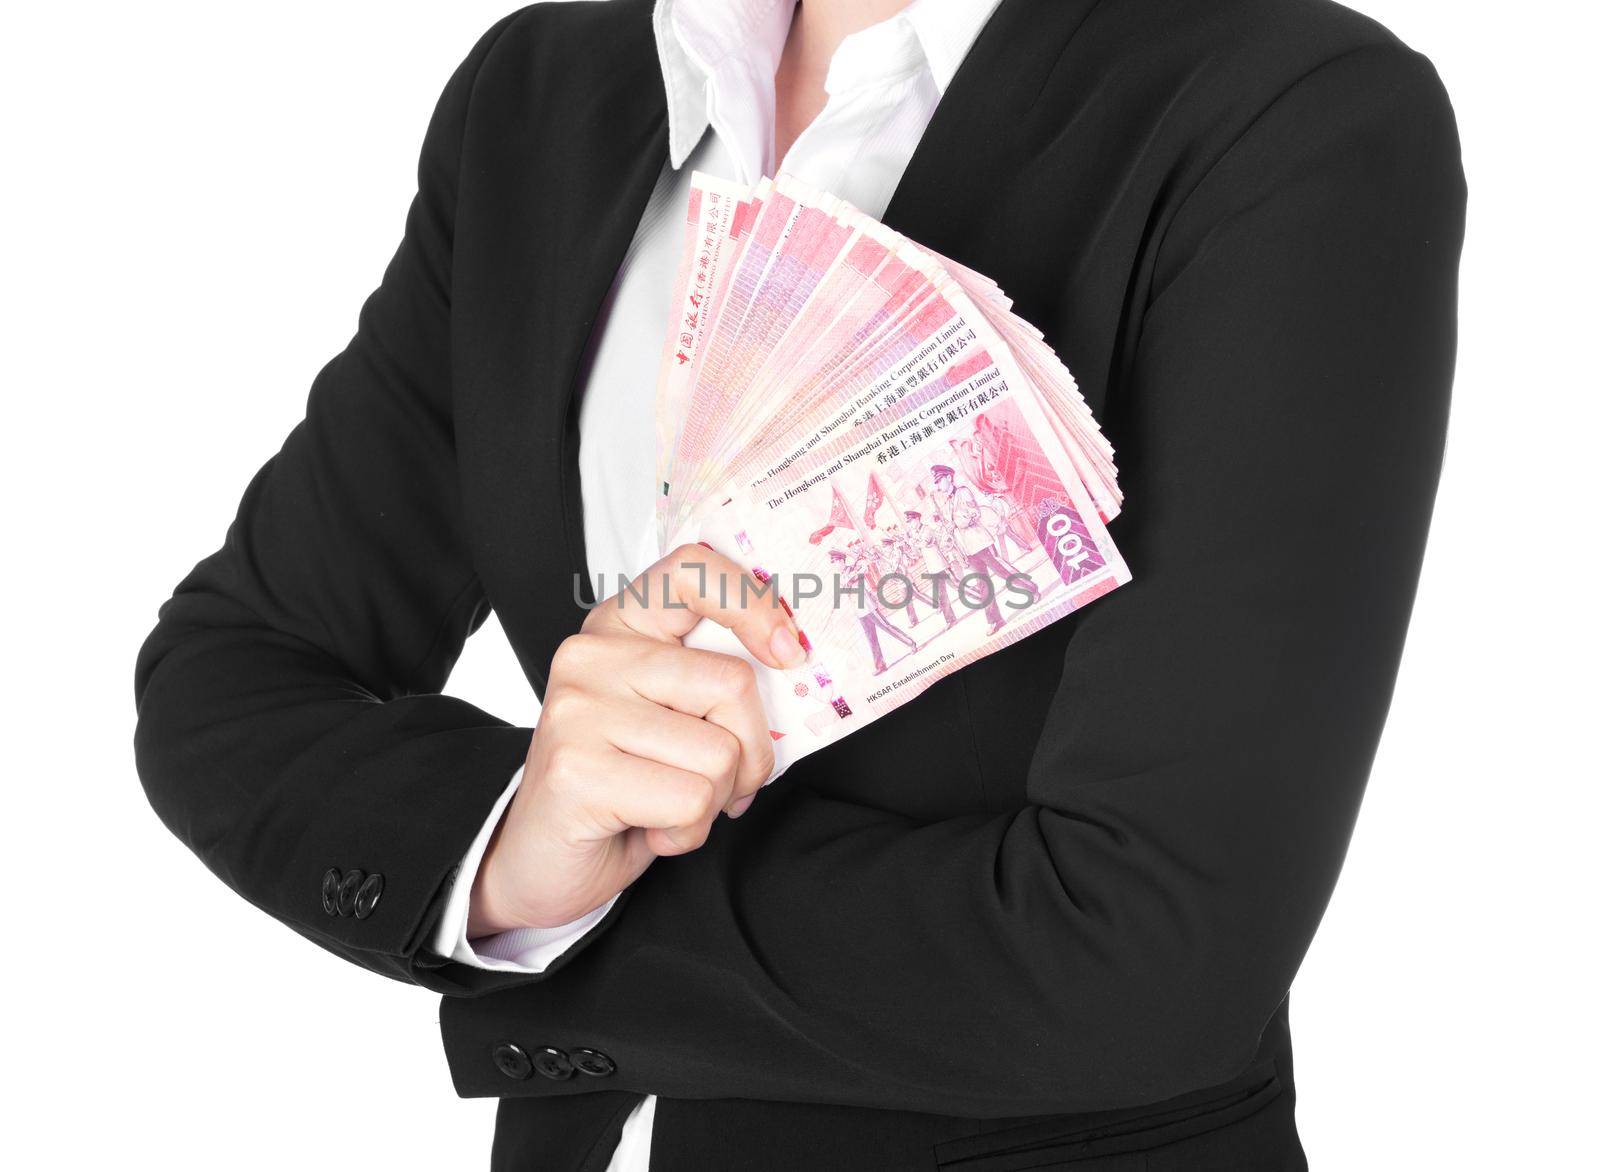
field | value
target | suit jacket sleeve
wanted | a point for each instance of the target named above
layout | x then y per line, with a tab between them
1126	936
289	715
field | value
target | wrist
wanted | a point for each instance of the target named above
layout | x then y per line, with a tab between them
495	906
487	914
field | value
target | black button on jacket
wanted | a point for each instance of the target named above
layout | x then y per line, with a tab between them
1058	901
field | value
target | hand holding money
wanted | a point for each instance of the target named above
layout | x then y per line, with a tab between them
867	428
640	744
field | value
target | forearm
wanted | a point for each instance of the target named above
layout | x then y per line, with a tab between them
1040	960
273	766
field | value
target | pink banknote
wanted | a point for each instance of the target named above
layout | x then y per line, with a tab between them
871	433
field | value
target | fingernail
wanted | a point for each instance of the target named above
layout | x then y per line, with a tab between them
786	648
785	606
741	805
805	641
707	544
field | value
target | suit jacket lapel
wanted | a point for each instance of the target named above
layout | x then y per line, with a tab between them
979	136
580	163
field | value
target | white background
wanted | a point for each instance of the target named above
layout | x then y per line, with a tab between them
196	199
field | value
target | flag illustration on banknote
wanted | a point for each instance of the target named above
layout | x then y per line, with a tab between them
866	426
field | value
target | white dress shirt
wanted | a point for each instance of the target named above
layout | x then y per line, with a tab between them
718	61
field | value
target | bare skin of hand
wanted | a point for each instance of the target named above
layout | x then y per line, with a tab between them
641	743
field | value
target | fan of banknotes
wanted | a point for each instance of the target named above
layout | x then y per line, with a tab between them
868	429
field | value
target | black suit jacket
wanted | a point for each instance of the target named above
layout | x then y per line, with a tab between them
1049	913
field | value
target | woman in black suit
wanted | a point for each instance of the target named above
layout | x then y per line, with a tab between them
1047	915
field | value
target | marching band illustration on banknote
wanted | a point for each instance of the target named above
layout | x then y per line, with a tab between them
871	433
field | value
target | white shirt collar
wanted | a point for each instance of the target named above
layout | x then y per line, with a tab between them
946	30
732	48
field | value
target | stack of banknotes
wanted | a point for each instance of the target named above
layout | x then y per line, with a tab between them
871	433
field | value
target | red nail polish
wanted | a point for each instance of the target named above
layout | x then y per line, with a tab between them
805	643
707	544
785	606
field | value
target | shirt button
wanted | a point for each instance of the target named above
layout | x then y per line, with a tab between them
512	1060
593	1063
367	896
347	891
330	890
552	1063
